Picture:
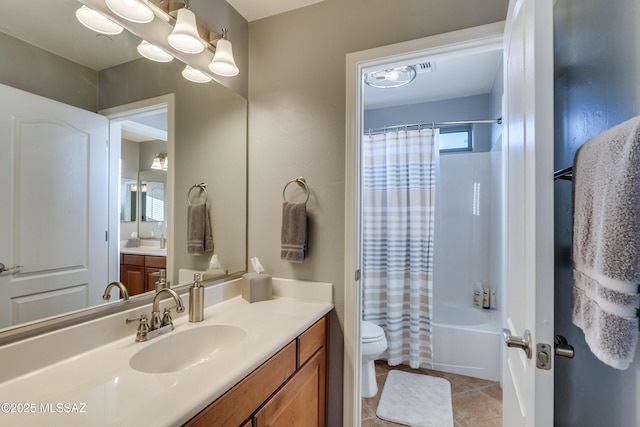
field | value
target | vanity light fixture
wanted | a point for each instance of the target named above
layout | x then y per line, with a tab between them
160	162
97	22
132	10
184	36
390	78
153	52
194	75
223	63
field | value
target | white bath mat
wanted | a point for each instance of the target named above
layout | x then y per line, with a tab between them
416	400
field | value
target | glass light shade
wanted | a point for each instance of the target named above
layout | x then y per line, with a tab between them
153	52
184	36
131	10
156	163
222	62
97	22
194	75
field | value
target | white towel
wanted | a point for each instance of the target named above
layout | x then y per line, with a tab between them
606	243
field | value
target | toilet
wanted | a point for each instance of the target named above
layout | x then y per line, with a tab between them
374	343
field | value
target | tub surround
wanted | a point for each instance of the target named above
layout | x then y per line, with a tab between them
86	368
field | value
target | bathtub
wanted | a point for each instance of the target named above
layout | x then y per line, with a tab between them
466	341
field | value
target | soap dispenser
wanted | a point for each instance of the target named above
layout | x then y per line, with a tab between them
196	300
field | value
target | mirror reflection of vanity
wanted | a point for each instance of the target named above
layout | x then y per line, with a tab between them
206	142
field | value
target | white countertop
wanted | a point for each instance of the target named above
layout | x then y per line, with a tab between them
144	250
99	388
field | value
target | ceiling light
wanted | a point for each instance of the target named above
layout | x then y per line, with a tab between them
223	63
131	10
194	75
389	78
153	52
97	22
184	36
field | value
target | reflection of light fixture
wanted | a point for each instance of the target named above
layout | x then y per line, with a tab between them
184	36
97	22
223	63
131	10
194	75
143	188
153	52
393	77
133	187
160	162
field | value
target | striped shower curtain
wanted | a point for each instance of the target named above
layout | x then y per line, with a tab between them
399	172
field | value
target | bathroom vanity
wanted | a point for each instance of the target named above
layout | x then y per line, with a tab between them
245	365
139	272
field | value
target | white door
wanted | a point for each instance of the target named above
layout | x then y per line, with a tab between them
528	151
53	207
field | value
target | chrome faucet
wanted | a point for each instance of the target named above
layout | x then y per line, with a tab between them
159	325
123	291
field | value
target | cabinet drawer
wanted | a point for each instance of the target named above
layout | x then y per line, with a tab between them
155	261
237	405
311	340
134	260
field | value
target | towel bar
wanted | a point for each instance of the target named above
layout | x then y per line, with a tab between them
302	183
203	188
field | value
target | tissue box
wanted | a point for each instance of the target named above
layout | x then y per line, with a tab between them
256	287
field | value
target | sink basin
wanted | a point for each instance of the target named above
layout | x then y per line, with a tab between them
180	350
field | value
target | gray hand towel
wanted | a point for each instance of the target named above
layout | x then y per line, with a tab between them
199	238
293	234
606	243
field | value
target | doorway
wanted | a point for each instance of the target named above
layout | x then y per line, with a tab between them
141	178
453	45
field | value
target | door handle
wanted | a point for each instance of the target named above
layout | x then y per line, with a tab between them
3	269
563	348
523	342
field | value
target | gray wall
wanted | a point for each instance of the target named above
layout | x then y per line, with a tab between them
596	84
476	107
210	147
37	71
297	124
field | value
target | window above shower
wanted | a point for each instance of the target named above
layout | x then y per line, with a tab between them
455	138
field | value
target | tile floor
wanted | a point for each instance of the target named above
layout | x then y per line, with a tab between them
476	402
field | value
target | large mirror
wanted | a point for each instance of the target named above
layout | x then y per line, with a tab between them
47	59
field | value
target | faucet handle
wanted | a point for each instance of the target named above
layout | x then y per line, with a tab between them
166	318
143	327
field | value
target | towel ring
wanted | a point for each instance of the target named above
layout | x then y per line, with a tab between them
302	183
203	188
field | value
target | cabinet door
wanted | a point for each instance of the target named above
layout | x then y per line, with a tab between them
133	278
301	401
152	278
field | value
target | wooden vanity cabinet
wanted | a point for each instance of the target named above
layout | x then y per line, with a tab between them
287	390
136	272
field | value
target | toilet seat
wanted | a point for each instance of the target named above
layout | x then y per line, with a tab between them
371	332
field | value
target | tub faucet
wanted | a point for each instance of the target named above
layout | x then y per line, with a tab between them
123	291
158	322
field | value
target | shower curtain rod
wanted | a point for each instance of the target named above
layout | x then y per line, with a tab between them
435	124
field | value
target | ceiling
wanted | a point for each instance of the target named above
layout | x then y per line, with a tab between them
453	77
252	10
